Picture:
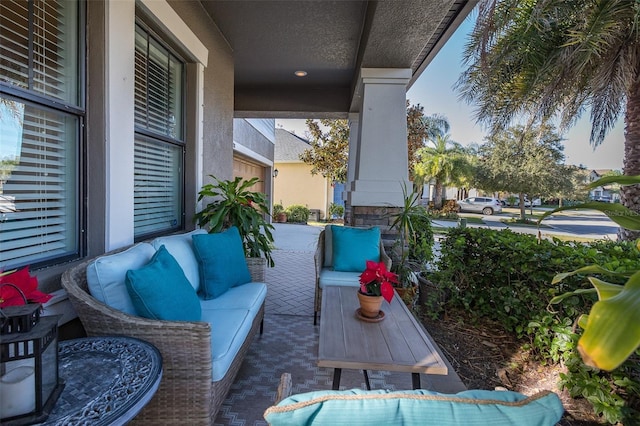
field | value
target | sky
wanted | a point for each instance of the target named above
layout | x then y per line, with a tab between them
434	91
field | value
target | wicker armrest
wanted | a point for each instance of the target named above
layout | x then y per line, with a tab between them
284	387
98	319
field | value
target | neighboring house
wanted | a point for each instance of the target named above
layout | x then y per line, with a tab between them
114	113
606	193
294	183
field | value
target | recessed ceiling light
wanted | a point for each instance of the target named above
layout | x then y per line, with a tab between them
300	73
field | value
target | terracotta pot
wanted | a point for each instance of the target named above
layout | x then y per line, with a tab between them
369	305
281	218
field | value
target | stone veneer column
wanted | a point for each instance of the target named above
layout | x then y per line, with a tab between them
379	168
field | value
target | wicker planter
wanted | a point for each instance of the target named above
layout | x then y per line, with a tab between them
257	268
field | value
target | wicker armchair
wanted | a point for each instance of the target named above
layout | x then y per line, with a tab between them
186	395
319	260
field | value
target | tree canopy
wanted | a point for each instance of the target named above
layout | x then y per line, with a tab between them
444	160
329	152
537	60
523	161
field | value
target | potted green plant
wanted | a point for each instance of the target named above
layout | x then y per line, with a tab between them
279	214
234	204
413	249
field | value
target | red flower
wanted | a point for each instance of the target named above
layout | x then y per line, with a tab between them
10	296
377	280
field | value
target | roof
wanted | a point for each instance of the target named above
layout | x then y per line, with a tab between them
289	146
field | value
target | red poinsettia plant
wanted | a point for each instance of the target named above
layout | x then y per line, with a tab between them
18	285
377	281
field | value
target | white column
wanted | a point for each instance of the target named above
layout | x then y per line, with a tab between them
381	167
354	143
119	121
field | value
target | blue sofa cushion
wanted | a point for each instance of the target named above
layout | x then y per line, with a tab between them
181	248
420	407
229	330
352	247
160	290
221	262
329	277
106	275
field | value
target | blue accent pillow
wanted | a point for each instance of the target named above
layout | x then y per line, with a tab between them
160	290
352	247
419	407
222	262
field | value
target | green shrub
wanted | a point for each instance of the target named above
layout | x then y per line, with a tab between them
297	213
277	209
506	276
336	210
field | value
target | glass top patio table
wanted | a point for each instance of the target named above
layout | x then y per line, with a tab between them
108	380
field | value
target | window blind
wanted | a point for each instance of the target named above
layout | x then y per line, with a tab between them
158	147
158	186
39	164
53	61
37	184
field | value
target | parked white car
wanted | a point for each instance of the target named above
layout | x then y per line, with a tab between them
536	202
484	205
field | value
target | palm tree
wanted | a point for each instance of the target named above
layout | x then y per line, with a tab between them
420	129
443	160
550	59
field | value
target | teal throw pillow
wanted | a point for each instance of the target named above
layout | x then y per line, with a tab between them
357	407
222	262
160	290
352	247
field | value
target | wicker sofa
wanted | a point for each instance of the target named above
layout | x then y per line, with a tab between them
326	273
188	393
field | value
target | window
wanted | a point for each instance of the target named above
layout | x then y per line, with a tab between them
41	116
159	140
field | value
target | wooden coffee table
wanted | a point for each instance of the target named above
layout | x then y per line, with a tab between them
397	343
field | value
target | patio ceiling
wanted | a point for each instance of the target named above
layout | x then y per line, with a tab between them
331	41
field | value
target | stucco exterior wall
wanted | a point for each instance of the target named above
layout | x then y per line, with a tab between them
296	185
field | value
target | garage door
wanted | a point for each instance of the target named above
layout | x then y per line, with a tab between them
247	169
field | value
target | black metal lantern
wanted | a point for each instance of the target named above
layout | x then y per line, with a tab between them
29	382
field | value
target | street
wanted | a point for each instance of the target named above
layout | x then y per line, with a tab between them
579	223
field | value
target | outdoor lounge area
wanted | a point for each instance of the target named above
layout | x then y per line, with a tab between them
289	343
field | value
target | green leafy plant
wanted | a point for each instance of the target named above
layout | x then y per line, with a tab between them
336	210
297	213
612	328
415	238
508	277
277	209
234	204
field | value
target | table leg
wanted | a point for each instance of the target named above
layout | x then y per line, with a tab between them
415	379
336	378
366	379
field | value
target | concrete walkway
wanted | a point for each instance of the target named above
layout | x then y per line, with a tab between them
293	278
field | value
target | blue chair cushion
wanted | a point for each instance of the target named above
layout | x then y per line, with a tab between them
181	248
106	276
357	407
339	278
352	247
160	290
221	262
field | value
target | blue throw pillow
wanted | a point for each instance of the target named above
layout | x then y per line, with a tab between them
222	262
352	247
419	407
160	290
